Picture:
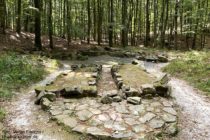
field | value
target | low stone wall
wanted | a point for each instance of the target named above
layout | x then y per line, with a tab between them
158	88
49	93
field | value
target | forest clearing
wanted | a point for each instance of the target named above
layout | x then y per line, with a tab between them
104	70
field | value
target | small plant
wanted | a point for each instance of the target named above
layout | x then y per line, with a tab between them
2	114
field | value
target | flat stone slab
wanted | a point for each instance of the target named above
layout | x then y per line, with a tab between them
117	120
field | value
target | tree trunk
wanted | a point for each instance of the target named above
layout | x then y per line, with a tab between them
155	22
147	39
18	29
38	44
50	24
111	22
124	35
176	24
99	22
89	21
2	16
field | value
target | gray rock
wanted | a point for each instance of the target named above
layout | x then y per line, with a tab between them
106	100
92	82
80	128
139	128
117	99
117	75
148	89
122	135
66	121
94	111
169	118
45	104
55	112
103	117
151	58
147	117
82	107
90	90
162	58
125	88
130	121
95	122
74	67
39	97
112	93
137	109
132	92
172	129
101	134
119	126
163	90
135	62
122	109
134	100
49	95
156	123
167	104
84	115
94	75
170	110
73	91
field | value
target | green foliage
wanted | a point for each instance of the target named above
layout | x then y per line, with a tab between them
17	71
193	67
2	114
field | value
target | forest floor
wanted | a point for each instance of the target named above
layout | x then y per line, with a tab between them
21	114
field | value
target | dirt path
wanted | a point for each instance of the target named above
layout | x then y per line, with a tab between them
24	118
194	108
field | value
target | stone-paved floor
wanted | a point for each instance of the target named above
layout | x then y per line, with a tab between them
116	120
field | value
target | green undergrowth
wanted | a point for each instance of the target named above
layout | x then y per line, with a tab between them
2	114
194	67
17	71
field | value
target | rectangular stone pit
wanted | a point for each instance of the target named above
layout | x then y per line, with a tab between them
80	82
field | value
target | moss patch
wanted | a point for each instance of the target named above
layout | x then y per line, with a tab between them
135	76
72	79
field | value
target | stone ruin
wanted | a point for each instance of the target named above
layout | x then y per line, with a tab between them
129	113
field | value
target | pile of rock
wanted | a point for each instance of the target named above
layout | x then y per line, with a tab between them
162	58
45	99
111	96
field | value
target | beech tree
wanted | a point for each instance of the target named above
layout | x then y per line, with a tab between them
158	23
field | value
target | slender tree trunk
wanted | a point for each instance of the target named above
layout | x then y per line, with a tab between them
38	44
18	29
124	35
99	22
147	39
2	16
68	22
50	24
176	23
155	23
111	22
196	28
89	21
